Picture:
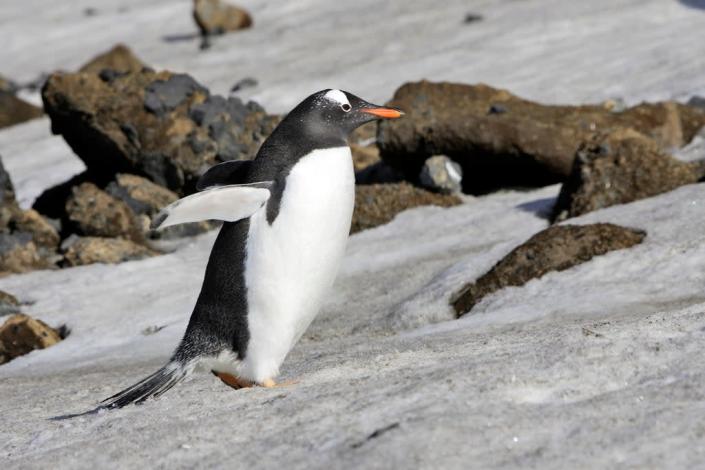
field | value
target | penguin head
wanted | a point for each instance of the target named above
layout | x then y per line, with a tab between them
338	113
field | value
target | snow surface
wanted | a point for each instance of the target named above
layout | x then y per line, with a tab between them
597	366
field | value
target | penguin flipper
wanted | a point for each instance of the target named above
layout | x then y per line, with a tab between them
227	203
223	174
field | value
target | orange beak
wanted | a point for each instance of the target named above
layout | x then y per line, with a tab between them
386	113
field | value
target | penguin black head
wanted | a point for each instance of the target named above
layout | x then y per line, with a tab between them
336	113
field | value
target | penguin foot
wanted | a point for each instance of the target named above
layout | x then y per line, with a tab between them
269	383
235	382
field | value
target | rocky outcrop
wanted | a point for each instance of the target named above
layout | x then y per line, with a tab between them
500	139
617	168
93	212
118	59
13	110
21	334
161	125
441	174
377	204
217	17
88	250
555	249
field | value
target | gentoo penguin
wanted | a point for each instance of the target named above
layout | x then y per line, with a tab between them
286	216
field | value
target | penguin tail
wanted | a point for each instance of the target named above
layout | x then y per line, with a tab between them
152	386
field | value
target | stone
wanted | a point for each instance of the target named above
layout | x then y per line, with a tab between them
146	199
44	234
441	174
617	168
21	334
217	17
164	126
89	250
7	85
697	102
8	304
378	204
364	157
556	248
13	110
502	140
93	212
118	59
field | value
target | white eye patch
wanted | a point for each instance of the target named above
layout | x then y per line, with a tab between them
337	96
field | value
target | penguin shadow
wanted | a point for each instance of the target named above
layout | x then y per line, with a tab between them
184	37
699	4
542	208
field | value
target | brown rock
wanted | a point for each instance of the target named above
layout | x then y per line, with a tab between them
19	254
162	125
88	250
500	139
7	85
14	110
620	167
555	249
93	212
119	59
377	204
21	334
364	157
8	304
217	17
43	233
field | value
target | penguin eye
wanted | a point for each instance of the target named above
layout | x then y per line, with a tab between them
345	107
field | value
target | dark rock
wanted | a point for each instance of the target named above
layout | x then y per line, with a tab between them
118	59
555	249
88	250
620	167
472	18
502	140
697	102
163	126
8	304
247	82
21	334
163	96
14	110
93	212
378	204
441	174
217	17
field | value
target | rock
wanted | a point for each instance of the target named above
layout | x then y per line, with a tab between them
27	240
217	17
556	248
364	157
502	140
620	167
14	110
8	86
247	82
161	125
21	334
19	254
146	199
697	102
140	194
377	204
8	304
88	250
94	212
441	174
119	59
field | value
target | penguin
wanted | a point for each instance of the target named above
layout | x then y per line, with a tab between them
286	218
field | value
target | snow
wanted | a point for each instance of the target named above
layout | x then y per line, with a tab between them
597	366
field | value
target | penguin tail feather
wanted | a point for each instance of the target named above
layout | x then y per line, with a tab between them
152	386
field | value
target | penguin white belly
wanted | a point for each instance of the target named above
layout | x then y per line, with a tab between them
292	263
